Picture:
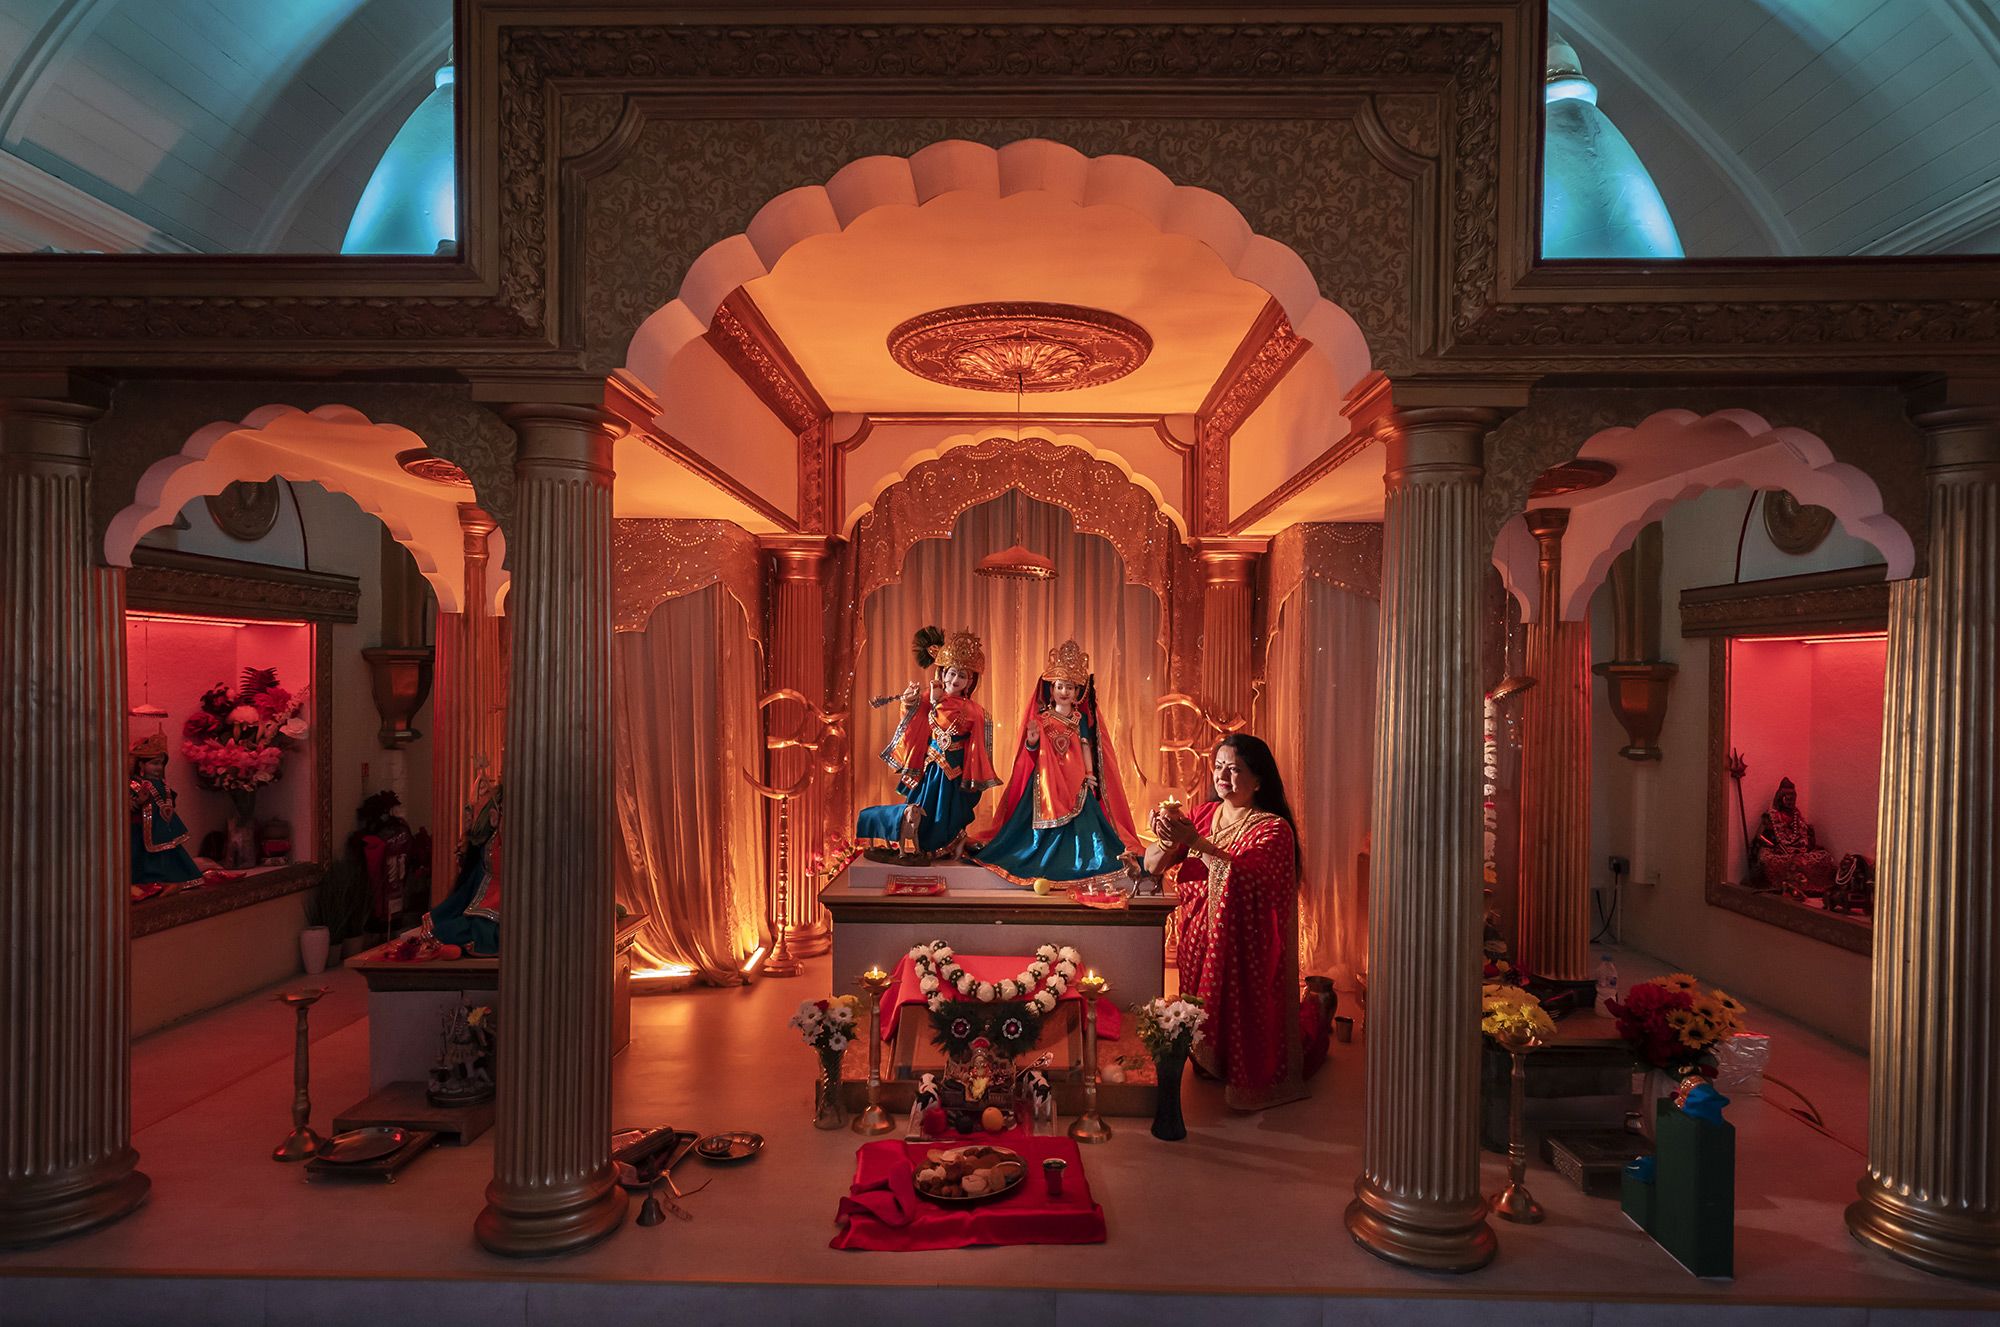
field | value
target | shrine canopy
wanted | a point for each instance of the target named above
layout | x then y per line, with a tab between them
910	306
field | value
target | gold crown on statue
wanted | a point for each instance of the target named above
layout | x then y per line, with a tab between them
150	747
1067	663
962	650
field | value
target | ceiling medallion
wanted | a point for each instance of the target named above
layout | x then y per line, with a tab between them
1572	477
426	464
1022	347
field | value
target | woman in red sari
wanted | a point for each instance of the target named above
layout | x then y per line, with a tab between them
1238	881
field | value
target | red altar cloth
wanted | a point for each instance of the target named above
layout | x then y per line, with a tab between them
903	990
883	1212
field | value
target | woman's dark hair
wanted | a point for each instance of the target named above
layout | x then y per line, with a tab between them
1256	756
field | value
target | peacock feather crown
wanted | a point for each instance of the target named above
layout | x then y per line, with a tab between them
963	650
1067	663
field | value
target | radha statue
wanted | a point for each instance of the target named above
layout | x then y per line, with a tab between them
160	859
1063	818
942	752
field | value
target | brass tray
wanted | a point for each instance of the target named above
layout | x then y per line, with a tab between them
974	1199
725	1148
366	1144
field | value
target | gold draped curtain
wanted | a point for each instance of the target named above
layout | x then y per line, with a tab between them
1121	626
1318	714
691	830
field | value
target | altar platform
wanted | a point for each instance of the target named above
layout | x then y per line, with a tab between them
1242	1221
980	913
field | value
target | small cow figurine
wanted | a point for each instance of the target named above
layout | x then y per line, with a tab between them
926	1097
1041	1100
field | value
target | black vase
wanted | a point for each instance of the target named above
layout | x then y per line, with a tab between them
1168	1123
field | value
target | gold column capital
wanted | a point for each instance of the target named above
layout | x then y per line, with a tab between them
1432	443
1229	561
797	557
552	436
479	525
1961	440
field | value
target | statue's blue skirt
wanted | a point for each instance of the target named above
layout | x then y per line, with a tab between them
949	807
1086	848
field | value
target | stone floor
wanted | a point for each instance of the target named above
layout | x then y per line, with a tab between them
1246	1206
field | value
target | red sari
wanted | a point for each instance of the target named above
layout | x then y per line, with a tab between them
1239	951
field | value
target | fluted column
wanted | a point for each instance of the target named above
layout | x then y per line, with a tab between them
1417	1200
66	1158
1931	1195
467	704
1228	600
553	1188
1555	776
798	663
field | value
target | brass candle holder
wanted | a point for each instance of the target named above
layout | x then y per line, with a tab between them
1090	1127
1515	1203
873	1119
301	1143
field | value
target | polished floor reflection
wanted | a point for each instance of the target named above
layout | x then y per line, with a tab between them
1259	1197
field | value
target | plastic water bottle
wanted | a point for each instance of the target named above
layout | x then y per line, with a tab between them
1607	983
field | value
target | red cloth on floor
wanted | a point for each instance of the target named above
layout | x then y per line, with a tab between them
903	990
883	1212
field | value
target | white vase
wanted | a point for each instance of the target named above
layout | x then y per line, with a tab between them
312	949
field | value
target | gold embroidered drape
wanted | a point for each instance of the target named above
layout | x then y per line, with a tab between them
691	831
1318	714
1119	624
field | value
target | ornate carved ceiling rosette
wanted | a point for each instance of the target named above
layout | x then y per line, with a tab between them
1021	346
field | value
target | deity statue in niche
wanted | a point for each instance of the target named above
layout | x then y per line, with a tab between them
942	752
160	859
469	916
1063	818
1786	852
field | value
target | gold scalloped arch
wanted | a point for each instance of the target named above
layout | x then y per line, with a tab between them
1101	499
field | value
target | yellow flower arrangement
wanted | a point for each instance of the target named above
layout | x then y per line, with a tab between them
1510	1015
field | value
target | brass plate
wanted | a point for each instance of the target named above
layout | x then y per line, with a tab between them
723	1148
377	1140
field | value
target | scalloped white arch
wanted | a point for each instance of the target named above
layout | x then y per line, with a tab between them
1027	165
918	456
1786	458
222	452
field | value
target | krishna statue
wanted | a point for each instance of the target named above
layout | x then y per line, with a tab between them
1063	819
942	753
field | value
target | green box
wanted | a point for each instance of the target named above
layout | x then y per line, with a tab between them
1690	1207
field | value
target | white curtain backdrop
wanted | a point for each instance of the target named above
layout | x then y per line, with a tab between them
690	829
1019	621
1318	715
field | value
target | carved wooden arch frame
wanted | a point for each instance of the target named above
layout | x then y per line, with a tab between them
1100	497
654	560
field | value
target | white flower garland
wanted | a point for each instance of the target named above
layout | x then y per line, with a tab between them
1053	970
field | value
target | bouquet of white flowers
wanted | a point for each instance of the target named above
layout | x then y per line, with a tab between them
826	1025
1171	1028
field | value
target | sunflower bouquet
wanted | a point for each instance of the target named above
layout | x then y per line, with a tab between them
1672	1023
1512	1017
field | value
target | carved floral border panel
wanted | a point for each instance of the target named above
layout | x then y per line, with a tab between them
653	561
1347	554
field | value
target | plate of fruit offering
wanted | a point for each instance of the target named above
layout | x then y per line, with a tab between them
975	1173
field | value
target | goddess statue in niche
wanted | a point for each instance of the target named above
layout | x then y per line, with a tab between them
1063	818
160	859
469	916
1786	852
942	752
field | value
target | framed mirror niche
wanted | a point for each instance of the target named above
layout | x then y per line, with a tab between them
1795	747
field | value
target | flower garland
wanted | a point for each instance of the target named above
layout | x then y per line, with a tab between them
1053	970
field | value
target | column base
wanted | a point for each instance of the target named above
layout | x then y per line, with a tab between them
543	1225
1429	1236
813	940
1948	1244
53	1210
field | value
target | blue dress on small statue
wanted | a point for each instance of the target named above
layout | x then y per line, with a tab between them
159	836
945	777
469	916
